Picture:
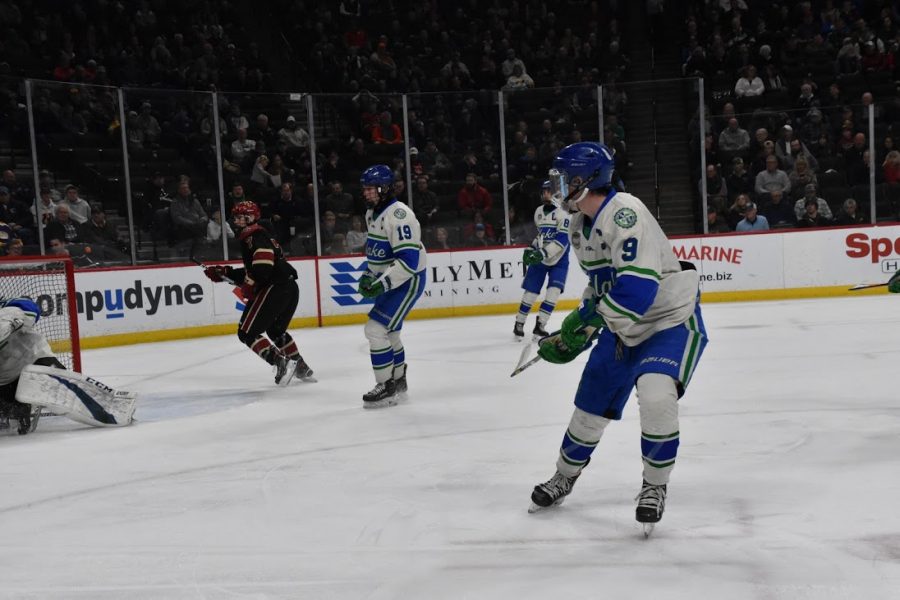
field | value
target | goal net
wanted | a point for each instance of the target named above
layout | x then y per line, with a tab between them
50	282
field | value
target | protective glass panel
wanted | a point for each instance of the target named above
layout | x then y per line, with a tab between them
456	169
81	172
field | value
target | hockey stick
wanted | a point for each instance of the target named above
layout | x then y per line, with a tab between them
592	334
204	266
866	286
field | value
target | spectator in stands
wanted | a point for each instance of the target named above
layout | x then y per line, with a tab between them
293	135
749	85
850	214
807	99
801	176
425	202
507	67
236	195
752	221
236	121
359	158
441	239
518	80
479	237
242	147
848	57
188	217
328	229
15	214
813	130
45	182
757	145
62	227
263	132
333	169
520	230
103	237
810	192
435	162
714	223
772	178
716	189
338	245
734	140
216	227
858	172
79	209
778	211
739	181
386	132
15	247
147	123
773	80
47	207
737	210
340	203
811	216
478	219
473	197
891	167
356	237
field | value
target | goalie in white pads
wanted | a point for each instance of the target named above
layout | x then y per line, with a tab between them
31	377
645	306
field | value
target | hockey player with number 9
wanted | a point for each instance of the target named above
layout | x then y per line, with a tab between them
395	279
642	307
546	258
32	377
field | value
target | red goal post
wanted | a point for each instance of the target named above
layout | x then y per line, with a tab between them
50	282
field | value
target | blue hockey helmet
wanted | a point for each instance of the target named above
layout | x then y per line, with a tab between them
581	166
25	304
380	177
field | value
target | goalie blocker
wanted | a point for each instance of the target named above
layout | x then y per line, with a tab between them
75	396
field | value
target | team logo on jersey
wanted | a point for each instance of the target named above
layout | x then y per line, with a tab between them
575	240
400	213
625	218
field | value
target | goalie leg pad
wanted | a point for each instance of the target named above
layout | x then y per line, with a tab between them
76	396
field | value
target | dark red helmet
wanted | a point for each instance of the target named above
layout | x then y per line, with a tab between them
248	209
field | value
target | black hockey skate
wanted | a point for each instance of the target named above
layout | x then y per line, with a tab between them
284	369
519	331
539	332
553	491
400	383
383	394
651	504
303	371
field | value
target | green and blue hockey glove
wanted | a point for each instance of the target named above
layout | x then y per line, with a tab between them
369	286
533	256
894	283
574	332
552	350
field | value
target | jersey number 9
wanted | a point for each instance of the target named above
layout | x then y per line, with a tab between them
629	249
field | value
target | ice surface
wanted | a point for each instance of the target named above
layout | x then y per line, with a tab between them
229	487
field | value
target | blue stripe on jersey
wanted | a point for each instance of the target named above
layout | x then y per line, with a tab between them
410	256
634	294
601	279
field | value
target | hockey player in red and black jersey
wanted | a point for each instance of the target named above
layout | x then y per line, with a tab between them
269	286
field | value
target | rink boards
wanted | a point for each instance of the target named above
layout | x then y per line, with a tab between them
132	305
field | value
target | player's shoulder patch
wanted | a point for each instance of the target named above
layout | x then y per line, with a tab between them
399	213
625	218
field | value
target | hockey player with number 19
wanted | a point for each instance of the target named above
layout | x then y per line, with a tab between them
395	279
547	258
642	307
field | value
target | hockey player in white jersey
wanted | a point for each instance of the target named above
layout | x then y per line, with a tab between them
30	374
546	259
395	279
642	307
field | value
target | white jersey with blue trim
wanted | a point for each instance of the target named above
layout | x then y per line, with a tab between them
394	248
553	233
20	345
640	286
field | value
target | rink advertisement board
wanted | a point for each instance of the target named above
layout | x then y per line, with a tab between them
457	282
149	303
127	301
